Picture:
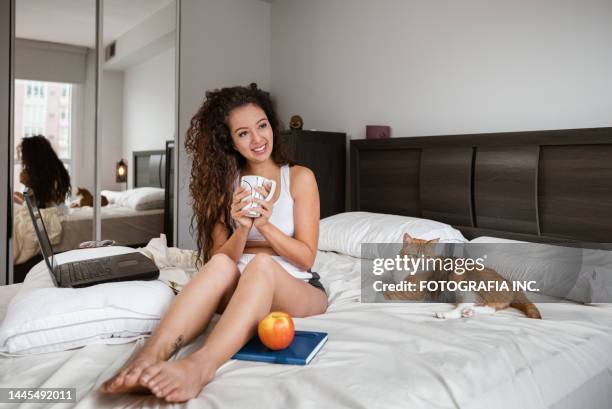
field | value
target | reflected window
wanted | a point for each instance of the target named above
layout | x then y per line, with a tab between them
43	108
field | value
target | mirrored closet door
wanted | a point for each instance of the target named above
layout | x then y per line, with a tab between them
137	117
53	110
93	120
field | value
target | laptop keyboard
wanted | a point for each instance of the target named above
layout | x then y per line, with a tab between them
87	270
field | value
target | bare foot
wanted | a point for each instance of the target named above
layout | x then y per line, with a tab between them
177	381
126	380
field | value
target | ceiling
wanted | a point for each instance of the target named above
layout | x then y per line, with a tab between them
73	21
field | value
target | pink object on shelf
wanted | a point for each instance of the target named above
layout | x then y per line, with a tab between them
378	131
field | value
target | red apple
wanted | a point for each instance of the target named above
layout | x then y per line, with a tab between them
276	330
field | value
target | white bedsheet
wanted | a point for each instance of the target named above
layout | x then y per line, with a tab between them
108	212
383	356
126	226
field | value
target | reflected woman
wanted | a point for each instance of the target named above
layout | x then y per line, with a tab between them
251	266
44	173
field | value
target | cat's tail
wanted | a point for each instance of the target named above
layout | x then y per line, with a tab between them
522	303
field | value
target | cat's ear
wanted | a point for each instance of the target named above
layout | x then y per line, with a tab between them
407	238
433	241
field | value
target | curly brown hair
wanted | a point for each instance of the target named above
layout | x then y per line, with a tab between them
216	164
46	174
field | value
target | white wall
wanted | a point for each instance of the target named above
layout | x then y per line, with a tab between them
145	40
83	130
148	106
111	128
223	43
443	67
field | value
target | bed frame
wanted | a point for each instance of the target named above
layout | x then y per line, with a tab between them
542	186
169	197
149	168
155	168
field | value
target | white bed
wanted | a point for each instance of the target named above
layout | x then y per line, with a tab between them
128	227
380	356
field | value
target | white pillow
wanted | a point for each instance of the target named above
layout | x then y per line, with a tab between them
594	284
494	240
144	198
112	196
345	232
555	268
42	318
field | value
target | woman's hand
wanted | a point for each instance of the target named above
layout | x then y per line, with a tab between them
265	206
18	198
239	215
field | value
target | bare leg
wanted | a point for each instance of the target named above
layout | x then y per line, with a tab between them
188	315
263	286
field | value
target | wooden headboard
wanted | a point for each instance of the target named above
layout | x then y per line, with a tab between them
149	168
156	169
542	186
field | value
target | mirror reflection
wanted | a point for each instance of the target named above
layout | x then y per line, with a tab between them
55	61
137	120
53	117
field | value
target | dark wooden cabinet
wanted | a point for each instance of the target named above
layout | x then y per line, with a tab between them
325	154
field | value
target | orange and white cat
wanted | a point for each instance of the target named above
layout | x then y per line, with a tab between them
86	198
468	304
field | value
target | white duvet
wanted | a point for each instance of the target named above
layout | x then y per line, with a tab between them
25	242
111	211
382	356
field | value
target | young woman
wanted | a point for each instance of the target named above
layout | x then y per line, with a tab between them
43	172
252	265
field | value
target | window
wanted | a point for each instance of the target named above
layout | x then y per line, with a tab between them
34	114
36	90
46	109
66	91
64	143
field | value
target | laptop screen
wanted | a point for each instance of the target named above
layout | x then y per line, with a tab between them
41	231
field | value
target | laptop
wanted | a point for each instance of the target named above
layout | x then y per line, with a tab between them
123	267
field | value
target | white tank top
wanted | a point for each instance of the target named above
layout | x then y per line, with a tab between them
282	212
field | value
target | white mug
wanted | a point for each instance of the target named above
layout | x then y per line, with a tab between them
250	182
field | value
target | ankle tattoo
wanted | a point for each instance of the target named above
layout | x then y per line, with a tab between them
178	343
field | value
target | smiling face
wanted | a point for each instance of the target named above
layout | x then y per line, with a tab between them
251	132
